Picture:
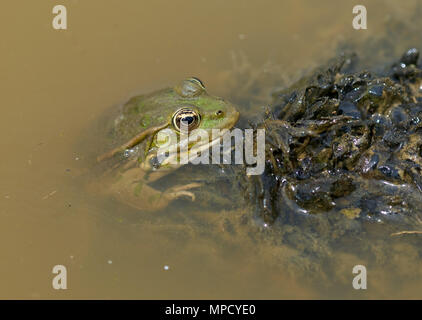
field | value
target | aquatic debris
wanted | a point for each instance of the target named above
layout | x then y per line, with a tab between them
405	232
347	142
49	195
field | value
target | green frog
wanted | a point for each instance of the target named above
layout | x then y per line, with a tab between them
145	124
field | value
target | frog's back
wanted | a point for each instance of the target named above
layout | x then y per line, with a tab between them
138	114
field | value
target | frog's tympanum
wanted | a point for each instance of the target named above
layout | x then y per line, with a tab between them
135	138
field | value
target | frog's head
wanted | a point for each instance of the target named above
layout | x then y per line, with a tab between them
144	117
200	110
187	104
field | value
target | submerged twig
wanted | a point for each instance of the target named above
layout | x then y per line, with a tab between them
406	232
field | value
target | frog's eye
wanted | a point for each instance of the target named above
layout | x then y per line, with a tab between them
191	87
188	116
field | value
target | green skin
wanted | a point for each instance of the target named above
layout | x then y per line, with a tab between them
136	129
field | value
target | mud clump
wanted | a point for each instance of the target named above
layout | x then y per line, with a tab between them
344	143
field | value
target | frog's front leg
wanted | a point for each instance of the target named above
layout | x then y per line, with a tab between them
132	187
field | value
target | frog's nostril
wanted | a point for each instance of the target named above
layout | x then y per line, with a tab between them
219	113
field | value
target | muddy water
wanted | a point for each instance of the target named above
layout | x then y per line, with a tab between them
56	84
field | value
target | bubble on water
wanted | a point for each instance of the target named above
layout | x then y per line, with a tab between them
166	267
109	262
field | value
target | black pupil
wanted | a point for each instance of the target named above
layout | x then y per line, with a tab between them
188	119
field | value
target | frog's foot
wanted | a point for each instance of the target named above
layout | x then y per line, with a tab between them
145	198
179	191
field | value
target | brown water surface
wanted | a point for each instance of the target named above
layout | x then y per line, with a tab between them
56	84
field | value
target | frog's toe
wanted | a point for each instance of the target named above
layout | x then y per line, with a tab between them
185	187
179	194
181	191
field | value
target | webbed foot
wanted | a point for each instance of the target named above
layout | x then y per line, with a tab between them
180	191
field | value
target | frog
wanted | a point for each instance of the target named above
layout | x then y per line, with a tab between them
149	122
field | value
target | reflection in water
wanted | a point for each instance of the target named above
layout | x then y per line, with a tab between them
56	86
